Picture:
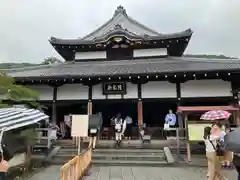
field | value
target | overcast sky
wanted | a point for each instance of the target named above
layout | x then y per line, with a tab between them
26	25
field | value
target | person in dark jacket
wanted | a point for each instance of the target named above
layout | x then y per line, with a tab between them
236	163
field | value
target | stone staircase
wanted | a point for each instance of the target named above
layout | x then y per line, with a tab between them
66	151
107	155
129	157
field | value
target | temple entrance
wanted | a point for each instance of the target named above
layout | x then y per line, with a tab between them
154	112
109	109
70	107
65	108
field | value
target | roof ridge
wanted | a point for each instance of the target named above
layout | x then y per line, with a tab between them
120	11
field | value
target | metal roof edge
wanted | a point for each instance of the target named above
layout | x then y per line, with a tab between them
30	68
199	59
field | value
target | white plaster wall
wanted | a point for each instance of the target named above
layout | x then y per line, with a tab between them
72	91
132	92
45	91
97	92
150	52
159	89
90	55
114	96
206	88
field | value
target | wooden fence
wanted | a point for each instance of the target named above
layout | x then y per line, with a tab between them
75	168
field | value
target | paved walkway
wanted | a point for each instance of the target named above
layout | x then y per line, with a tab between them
135	173
151	173
50	173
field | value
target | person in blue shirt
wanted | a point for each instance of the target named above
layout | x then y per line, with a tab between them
171	120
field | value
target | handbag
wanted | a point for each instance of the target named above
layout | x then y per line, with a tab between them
166	126
218	148
93	131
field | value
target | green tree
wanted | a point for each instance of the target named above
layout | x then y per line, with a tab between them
12	92
51	60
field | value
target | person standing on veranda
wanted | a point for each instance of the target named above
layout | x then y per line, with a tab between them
120	126
128	132
170	121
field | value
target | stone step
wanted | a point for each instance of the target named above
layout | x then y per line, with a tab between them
193	150
131	146
56	162
129	163
60	160
130	157
128	151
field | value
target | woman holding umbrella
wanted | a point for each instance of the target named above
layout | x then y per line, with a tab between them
217	139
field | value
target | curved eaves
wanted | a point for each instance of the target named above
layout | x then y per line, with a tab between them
57	41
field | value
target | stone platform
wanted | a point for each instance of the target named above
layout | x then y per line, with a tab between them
151	173
49	173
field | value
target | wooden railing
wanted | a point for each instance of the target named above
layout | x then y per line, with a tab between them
75	168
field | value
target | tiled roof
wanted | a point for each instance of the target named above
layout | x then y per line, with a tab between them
129	67
119	24
104	37
120	17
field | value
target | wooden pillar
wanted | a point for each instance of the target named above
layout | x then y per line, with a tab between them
189	156
236	98
140	113
54	107
238	118
236	114
89	106
178	90
140	106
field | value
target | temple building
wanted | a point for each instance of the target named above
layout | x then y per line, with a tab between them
124	66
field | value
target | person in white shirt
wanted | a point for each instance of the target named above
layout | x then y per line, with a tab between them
214	171
120	126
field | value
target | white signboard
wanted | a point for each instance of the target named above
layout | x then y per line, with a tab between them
80	125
